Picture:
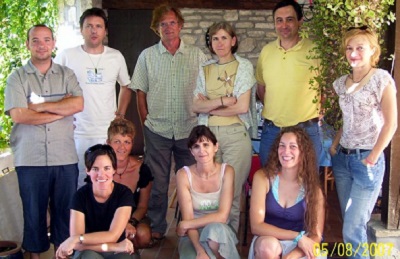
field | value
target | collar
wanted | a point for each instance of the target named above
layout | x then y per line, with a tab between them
31	69
296	47
181	49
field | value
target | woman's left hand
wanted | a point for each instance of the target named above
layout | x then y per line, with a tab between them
181	229
306	244
202	97
66	248
130	231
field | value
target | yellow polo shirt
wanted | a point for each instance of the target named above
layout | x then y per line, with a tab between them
286	75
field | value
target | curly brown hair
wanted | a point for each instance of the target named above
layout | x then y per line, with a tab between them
121	126
307	174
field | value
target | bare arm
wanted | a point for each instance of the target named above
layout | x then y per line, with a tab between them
124	98
225	204
94	241
261	92
389	111
240	107
186	208
142	206
142	105
335	142
64	107
258	211
31	117
306	244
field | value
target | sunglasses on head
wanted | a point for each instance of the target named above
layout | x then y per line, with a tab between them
363	28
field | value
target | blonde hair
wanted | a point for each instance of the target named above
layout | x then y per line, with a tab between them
370	35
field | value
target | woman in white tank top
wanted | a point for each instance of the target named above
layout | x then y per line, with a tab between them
205	194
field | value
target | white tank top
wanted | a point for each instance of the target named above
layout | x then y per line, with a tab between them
205	203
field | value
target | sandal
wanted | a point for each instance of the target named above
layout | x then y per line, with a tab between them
155	241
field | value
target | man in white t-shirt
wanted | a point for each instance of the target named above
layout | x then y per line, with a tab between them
97	68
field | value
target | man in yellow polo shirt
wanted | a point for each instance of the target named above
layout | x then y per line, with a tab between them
283	76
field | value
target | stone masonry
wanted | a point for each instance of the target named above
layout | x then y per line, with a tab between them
254	28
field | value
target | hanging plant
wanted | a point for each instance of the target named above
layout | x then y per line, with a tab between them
331	19
16	17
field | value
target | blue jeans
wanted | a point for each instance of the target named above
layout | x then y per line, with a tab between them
358	188
41	187
270	132
158	151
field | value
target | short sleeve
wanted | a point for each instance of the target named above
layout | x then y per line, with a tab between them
145	176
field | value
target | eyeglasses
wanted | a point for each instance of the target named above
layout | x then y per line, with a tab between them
363	28
165	24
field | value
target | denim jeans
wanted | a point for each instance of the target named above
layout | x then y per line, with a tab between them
42	187
358	188
270	132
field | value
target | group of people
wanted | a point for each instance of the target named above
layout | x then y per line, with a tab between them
68	130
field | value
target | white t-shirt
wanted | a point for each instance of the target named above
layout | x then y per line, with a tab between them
97	75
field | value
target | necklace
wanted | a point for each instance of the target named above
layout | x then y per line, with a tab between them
207	176
351	77
356	83
120	175
98	62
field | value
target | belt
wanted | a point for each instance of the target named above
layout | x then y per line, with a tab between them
300	124
352	151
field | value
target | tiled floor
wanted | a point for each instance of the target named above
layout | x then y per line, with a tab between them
168	248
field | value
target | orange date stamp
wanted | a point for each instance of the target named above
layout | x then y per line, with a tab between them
348	250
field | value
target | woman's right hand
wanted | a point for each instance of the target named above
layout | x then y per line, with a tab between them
66	248
332	150
125	246
202	255
229	100
307	245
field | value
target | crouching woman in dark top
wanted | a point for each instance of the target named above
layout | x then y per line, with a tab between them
100	211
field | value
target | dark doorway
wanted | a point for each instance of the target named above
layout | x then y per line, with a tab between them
129	32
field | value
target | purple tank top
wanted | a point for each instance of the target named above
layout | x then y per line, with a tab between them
291	218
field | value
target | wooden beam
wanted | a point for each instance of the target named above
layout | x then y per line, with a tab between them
206	4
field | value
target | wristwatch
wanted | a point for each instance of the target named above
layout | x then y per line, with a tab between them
81	238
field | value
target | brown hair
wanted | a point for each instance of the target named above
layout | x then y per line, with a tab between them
370	35
222	26
121	126
307	174
201	132
158	14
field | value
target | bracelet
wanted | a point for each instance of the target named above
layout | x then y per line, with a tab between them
81	238
299	236
133	222
369	162
120	114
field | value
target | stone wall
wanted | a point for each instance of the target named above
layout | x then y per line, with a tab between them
254	28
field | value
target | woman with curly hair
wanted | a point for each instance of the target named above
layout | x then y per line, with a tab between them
133	173
287	209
